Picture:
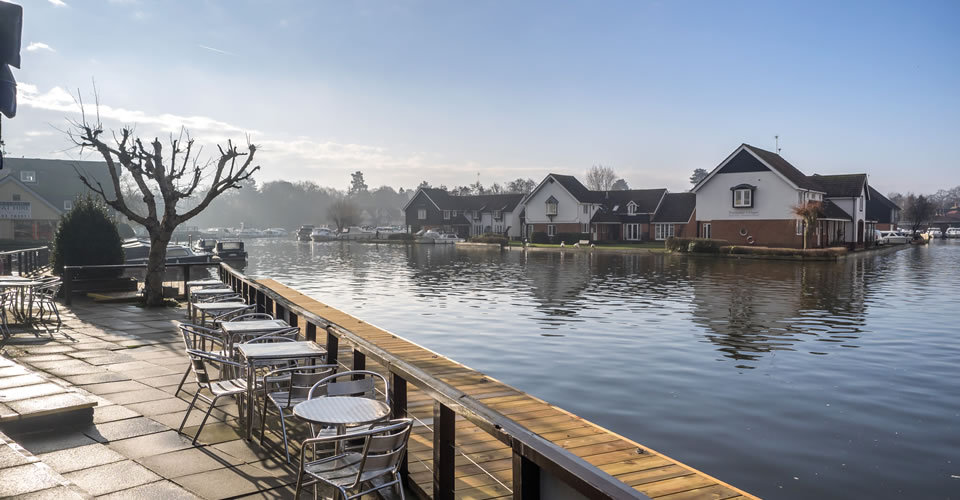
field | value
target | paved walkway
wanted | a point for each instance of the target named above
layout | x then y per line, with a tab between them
130	360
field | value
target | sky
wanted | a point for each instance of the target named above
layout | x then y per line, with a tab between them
453	91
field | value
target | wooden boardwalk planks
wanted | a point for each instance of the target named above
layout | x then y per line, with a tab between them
484	464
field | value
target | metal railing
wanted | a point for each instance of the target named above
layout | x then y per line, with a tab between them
537	462
24	261
70	274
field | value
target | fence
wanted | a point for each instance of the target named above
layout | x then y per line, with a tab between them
24	261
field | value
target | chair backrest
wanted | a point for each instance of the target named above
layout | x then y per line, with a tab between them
252	317
226	316
226	297
384	448
195	337
304	378
351	383
263	339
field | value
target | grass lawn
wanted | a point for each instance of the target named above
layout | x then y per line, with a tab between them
649	245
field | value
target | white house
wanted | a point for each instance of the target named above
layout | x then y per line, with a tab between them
560	204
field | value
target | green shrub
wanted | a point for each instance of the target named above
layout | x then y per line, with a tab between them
401	236
86	236
490	238
694	245
539	238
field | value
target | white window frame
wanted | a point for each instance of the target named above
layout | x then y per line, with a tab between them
421	214
631	232
15	197
68	204
706	230
446	215
553	208
663	231
497	214
551	230
799	227
585	227
29	176
745	198
586	209
631	208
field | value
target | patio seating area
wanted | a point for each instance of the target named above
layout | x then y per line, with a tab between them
134	363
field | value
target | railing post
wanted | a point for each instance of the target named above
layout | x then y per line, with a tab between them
526	478
260	300
20	263
359	363
311	332
333	347
398	409
67	286
444	433
186	279
268	306
294	320
281	312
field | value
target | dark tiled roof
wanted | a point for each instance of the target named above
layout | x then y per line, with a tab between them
841	186
676	207
613	205
832	211
483	202
577	189
879	207
56	180
784	167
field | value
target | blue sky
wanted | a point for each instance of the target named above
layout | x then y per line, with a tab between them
411	90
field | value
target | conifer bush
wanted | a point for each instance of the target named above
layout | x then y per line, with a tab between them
86	235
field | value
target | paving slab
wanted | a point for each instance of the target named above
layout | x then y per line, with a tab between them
95	378
188	461
22	479
166	490
47	440
21	380
55	493
30	391
80	457
104	414
140	396
151	444
123	429
160	406
48	405
112	477
231	482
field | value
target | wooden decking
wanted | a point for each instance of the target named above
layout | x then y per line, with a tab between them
483	463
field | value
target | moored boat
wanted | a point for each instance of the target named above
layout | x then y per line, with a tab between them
303	234
356	233
322	234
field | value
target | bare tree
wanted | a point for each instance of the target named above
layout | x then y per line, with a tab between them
809	213
163	179
918	210
521	185
343	213
601	178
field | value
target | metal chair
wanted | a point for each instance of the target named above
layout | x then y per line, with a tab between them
198	338
297	387
45	297
228	315
384	447
8	305
252	317
218	389
230	296
361	383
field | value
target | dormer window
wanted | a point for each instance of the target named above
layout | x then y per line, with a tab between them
28	176
743	195
631	208
476	214
497	214
552	206
446	215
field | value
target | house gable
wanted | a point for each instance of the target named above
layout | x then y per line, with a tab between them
743	162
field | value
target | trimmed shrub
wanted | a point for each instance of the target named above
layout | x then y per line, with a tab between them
785	252
539	238
499	239
694	245
86	236
401	236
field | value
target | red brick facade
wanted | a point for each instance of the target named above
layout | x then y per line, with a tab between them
767	233
569	227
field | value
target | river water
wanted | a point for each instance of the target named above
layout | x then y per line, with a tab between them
789	380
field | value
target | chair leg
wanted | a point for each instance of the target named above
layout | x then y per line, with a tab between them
296	495
283	427
263	420
183	380
189	409
205	417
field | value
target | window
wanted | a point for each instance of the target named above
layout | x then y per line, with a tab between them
663	231
584	227
497	214
631	232
28	176
742	197
476	214
552	206
16	197
551	230
422	214
631	208
860	204
706	231
446	215
799	227
586	210
67	204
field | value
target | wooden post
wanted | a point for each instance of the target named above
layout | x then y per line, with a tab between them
281	312
20	263
311	332
359	363
526	478
444	433
268	306
294	320
398	409
186	279
333	346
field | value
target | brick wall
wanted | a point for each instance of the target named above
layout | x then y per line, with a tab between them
570	227
767	233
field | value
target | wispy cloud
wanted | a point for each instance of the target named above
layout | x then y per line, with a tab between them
218	51
35	46
58	3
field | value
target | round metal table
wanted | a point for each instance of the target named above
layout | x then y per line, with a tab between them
341	411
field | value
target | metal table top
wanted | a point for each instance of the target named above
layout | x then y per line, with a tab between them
211	291
206	282
280	350
265	325
341	410
219	306
13	283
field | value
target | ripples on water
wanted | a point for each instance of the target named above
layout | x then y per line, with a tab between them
789	380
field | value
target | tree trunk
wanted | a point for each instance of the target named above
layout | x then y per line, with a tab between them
156	264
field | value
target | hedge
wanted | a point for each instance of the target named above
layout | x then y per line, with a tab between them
491	238
694	245
791	252
86	236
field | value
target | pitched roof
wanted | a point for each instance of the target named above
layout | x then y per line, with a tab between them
614	205
483	202
784	168
832	212
676	207
841	186
56	181
577	189
879	207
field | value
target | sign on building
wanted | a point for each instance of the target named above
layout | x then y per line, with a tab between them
15	210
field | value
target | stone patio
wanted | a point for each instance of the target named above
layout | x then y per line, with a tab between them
130	360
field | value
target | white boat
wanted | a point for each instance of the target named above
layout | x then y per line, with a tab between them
437	238
934	232
323	234
249	233
890	238
953	232
357	233
274	232
384	232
